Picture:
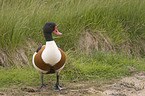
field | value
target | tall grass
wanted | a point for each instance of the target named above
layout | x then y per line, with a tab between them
123	21
88	26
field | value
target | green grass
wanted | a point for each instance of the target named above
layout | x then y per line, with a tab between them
123	21
14	76
99	66
102	38
103	66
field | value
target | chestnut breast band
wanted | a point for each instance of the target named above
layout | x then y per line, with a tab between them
47	67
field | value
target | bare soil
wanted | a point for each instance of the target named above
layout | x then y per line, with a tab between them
128	86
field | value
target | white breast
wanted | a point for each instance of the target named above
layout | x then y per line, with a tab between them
51	53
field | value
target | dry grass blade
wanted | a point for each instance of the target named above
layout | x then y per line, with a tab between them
95	41
3	59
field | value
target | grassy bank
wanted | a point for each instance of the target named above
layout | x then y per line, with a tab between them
98	66
120	22
103	39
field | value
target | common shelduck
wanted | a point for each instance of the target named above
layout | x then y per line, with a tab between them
49	58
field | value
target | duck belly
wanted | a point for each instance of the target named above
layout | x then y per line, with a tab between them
43	67
51	54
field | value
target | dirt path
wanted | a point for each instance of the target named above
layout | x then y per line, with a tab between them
128	86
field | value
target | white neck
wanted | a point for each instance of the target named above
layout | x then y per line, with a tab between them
51	53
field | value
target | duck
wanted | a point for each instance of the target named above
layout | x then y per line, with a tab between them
49	58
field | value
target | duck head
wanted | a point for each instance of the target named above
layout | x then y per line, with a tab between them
48	29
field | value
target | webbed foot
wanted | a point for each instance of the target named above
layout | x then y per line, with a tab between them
58	87
43	87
